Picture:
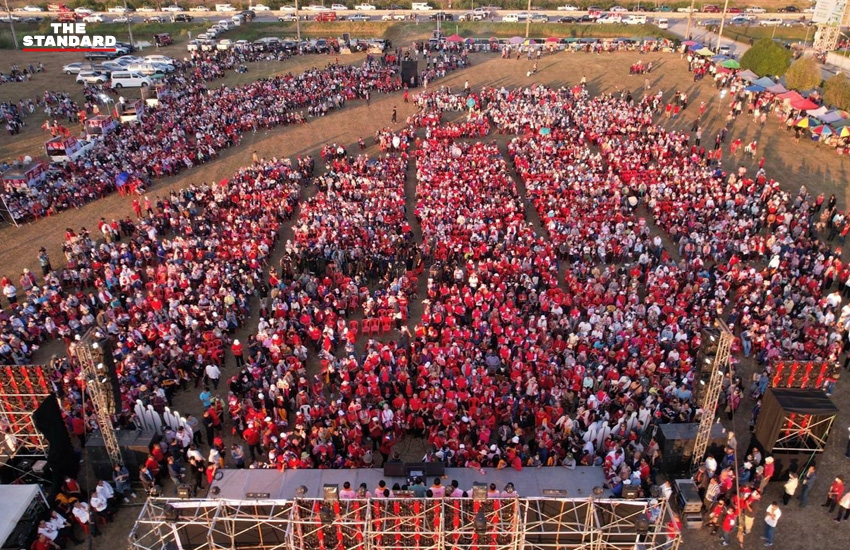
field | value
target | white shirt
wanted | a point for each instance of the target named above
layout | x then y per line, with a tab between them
105	490
81	512
776	515
98	502
213	371
48	531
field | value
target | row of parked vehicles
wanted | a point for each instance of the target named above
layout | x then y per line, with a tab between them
127	71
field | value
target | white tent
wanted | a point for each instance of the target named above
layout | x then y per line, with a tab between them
16	500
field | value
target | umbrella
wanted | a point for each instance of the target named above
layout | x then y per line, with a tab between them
689	42
223	182
705	52
552	39
731	64
764	82
754	88
845	131
530	41
516	40
718	58
806	122
748	75
469	40
833	116
545	131
454	38
723	70
822	130
121	179
694	47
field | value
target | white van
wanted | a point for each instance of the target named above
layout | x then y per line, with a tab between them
126	79
224	7
420	6
635	20
663	24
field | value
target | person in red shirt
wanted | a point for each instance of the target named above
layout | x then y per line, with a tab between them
730	520
252	439
238	350
834	493
769	468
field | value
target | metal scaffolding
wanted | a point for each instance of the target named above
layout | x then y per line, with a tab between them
539	523
720	365
90	354
22	389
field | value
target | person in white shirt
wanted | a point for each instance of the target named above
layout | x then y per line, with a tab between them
710	465
193	452
83	516
105	490
771	517
213	374
99	507
47	529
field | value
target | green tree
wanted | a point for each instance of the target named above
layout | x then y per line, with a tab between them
803	74
766	57
836	91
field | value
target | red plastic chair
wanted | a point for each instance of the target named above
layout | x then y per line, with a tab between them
354	327
386	323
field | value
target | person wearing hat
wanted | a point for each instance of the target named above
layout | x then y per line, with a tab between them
238	353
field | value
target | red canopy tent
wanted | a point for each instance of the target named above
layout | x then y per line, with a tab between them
454	38
803	104
789	96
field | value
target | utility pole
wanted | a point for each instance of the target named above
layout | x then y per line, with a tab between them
11	24
129	26
527	19
297	22
722	22
690	21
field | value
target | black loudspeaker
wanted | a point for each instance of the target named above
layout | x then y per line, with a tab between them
410	73
61	457
395	469
134	448
114	388
677	444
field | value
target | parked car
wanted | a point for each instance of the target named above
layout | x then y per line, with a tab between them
734	10
174	8
568	7
99	55
127	79
756	9
568	19
711	8
771	22
510	18
91	77
339	7
288	18
119	9
326	16
393	17
364	7
539	18
74	68
181	18
154	19
359	17
635	20
199	8
260	7
163	39
30	9
122	19
441	16
618	9
83	11
316	7
472	16
224	44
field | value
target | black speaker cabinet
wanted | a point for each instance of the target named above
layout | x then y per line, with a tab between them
677	444
410	73
134	448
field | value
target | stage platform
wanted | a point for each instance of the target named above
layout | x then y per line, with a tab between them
530	482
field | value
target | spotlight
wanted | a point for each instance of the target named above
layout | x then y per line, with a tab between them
95	345
702	382
331	492
480	522
184	491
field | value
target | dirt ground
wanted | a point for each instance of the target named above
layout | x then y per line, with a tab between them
790	163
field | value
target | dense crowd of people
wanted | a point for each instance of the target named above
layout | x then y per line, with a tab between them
209	120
